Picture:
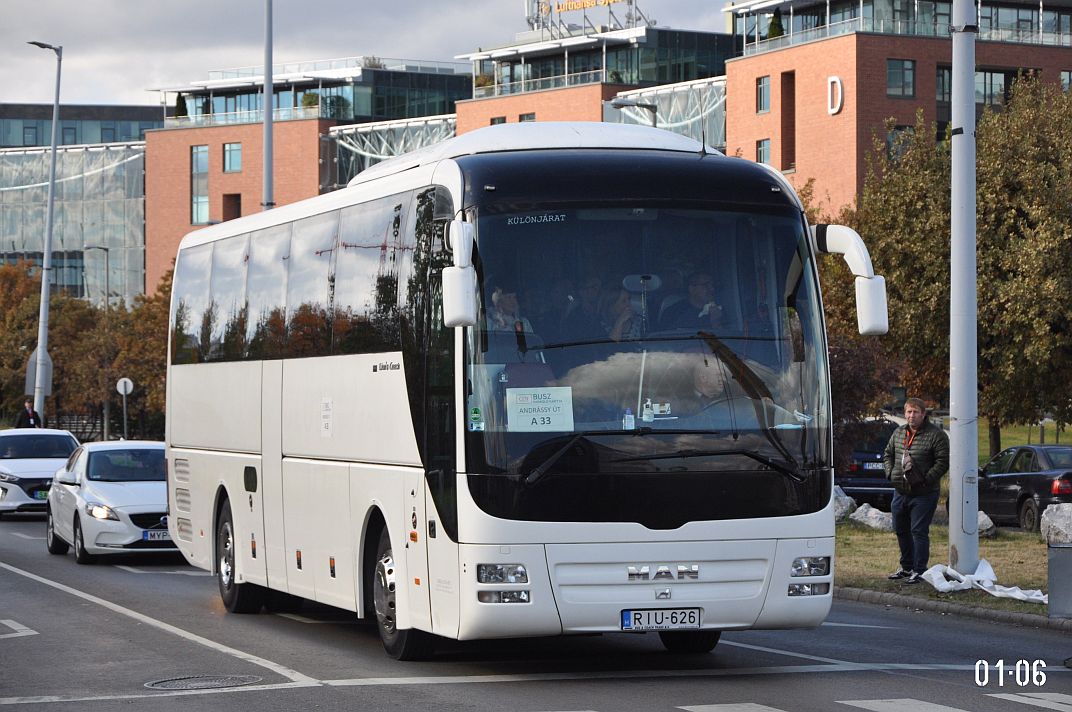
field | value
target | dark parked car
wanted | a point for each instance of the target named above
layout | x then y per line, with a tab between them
864	478
1019	483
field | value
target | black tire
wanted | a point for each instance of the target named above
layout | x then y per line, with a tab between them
1029	515
408	644
690	642
55	545
237	597
80	554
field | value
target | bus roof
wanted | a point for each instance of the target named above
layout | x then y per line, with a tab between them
529	136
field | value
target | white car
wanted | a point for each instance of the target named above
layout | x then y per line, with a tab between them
110	498
28	459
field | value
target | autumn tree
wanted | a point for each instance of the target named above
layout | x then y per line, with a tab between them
1024	242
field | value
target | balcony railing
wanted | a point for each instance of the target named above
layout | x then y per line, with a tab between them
905	27
241	117
543	83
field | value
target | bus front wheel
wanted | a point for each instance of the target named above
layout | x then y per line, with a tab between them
237	597
689	642
411	644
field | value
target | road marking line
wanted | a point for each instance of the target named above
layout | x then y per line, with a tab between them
899	705
20	535
788	653
133	570
313	621
1046	700
615	675
731	707
859	625
292	675
149	695
20	630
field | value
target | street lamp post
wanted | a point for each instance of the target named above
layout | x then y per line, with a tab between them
107	272
40	383
621	102
107	324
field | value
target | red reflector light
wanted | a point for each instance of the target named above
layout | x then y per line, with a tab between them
854	467
1061	487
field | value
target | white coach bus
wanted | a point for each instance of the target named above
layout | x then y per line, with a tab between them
538	379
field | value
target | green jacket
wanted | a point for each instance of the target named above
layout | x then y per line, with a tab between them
930	455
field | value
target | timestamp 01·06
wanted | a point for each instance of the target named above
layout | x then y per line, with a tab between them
1024	673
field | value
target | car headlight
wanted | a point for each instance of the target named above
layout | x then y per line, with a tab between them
100	511
7	477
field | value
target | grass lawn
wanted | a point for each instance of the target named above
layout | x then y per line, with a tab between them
864	557
1018	435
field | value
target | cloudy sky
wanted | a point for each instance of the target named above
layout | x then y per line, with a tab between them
115	51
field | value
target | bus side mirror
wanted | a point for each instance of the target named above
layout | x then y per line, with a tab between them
459	296
459	281
872	315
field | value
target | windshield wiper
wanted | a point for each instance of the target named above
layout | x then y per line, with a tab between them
788	468
541	469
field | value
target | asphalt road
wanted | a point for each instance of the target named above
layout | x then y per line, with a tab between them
91	637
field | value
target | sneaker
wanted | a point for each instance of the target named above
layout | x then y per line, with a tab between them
899	574
913	578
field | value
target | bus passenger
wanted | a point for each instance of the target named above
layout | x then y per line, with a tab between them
698	311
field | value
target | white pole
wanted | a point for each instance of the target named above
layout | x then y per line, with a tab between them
269	200
46	262
963	316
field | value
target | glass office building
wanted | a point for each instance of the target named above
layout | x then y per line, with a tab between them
26	125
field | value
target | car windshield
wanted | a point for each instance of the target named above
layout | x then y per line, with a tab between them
875	437
650	339
36	446
133	465
1060	457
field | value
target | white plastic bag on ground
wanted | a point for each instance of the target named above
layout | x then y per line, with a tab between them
945	579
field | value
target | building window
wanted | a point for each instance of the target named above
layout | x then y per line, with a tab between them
944	85
762	95
107	134
198	185
70	135
990	88
527	117
495	120
763	151
901	77
232	157
1066	79
29	135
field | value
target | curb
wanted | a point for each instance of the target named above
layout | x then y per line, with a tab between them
863	595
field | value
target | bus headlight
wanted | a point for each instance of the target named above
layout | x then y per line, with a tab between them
502	596
501	573
809	589
810	566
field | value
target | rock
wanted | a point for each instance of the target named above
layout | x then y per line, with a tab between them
985	526
873	518
1056	524
844	505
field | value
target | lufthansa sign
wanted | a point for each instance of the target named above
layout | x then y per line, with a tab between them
568	5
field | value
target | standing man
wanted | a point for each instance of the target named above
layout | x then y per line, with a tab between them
916	459
28	417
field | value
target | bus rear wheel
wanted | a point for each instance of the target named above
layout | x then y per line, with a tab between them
411	644
690	642
237	597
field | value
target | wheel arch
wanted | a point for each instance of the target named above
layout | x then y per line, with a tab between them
222	499
371	528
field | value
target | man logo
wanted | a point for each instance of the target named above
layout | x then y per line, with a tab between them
663	572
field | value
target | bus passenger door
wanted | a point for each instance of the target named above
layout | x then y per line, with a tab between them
420	614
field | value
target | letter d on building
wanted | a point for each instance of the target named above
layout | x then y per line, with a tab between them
835	95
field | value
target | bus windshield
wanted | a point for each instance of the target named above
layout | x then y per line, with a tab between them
640	340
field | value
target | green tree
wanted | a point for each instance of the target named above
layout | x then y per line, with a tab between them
1024	229
775	28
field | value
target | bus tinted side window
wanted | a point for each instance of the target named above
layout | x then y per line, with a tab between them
266	293
312	249
228	290
190	303
366	318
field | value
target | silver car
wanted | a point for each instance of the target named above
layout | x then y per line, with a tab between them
28	459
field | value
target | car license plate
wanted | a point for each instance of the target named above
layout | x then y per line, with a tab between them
156	535
41	494
661	619
872	465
